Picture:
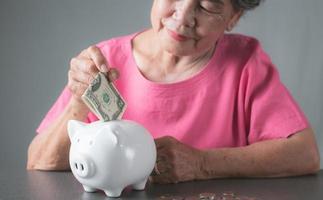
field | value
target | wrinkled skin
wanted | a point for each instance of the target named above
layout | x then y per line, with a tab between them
176	162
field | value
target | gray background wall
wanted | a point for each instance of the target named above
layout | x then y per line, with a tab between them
39	37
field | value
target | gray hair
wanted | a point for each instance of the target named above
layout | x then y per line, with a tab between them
245	5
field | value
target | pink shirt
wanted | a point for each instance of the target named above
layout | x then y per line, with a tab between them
237	99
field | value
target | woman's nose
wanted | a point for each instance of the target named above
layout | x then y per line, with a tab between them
184	13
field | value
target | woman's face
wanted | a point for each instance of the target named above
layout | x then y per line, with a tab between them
187	27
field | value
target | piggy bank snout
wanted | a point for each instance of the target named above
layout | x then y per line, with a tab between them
83	166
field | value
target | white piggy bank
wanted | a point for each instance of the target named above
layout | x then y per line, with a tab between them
111	155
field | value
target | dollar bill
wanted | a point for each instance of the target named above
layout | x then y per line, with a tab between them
103	99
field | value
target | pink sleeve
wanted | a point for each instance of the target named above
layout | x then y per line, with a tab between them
55	110
272	111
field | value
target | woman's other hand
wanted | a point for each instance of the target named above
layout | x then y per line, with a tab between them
176	162
84	68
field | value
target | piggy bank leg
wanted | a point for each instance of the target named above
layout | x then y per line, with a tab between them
113	193
140	185
89	189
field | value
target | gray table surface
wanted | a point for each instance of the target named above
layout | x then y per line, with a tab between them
17	183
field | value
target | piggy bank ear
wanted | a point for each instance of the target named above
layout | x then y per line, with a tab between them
118	137
73	126
113	133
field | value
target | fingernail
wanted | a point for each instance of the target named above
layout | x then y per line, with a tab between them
103	68
115	75
111	76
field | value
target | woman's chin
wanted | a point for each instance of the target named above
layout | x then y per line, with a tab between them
177	49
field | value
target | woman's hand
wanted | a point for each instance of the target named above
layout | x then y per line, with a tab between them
84	68
176	162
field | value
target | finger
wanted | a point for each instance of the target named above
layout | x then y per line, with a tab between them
160	168
164	154
163	167
164	161
83	54
98	58
85	65
113	74
77	88
164	141
82	77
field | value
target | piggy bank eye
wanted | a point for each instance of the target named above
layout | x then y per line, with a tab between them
91	142
78	140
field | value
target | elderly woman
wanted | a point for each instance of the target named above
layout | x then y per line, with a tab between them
213	101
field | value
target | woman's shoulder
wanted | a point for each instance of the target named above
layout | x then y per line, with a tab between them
242	48
246	54
240	42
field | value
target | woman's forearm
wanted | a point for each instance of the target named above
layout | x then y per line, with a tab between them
296	155
50	150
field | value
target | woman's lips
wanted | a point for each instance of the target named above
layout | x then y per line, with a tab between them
176	36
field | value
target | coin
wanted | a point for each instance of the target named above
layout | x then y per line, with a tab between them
207	196
228	193
170	197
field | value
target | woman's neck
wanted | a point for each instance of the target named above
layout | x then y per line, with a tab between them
158	65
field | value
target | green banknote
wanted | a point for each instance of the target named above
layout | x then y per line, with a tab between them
103	99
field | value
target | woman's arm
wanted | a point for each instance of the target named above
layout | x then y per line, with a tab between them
296	155
50	150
